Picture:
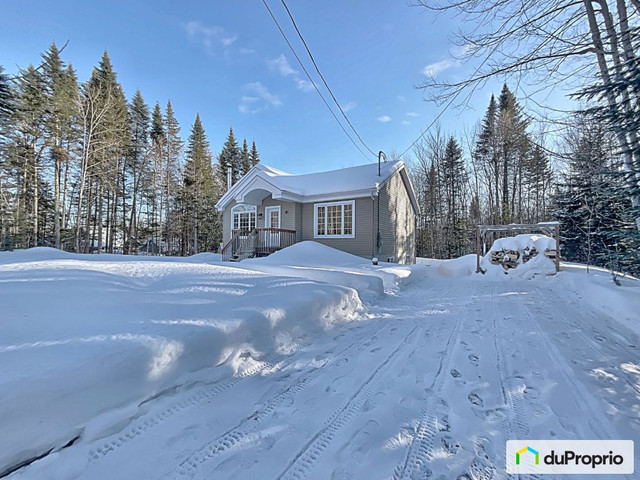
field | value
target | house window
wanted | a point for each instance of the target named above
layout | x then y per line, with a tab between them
334	220
243	217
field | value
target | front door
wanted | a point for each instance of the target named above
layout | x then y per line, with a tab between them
272	215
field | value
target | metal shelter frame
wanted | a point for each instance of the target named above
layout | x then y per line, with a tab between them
551	229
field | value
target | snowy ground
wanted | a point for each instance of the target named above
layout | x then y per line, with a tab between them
301	366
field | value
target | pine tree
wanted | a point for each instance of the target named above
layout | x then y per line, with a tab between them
137	161
171	184
486	154
513	148
157	133
27	149
62	130
246	158
255	157
230	156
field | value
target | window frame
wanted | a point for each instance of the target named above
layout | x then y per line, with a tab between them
245	208
317	206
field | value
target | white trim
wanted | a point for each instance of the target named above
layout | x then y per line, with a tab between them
247	208
316	206
267	217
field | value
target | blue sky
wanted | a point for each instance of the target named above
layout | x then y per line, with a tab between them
227	61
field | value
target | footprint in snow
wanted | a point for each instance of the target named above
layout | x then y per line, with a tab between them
475	399
455	373
474	359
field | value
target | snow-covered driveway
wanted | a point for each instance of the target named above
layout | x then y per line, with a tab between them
429	385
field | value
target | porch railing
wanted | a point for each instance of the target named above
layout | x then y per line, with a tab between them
258	242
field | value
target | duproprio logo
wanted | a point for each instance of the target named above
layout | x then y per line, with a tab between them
527	449
570	456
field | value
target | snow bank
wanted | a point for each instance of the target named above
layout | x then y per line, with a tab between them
312	260
84	336
537	265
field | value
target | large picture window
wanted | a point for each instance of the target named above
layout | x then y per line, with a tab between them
243	217
334	220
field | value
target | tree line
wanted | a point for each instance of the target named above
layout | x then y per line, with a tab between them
86	170
507	177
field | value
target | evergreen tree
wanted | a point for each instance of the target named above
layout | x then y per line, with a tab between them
157	126
486	154
453	181
595	222
62	130
246	158
202	228
230	156
27	148
255	157
172	151
137	161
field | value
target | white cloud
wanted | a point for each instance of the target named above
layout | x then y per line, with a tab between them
284	68
246	51
304	85
210	36
402	98
348	106
384	118
257	98
434	69
406	122
412	114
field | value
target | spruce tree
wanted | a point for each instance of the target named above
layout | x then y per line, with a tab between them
255	157
201	228
230	156
172	153
246	158
453	181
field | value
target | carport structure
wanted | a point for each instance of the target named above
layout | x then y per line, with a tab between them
550	229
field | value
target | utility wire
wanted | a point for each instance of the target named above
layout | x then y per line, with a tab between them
323	79
312	82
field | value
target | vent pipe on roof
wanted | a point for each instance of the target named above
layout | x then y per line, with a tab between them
228	177
380	155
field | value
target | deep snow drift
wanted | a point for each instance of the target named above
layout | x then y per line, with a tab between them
176	368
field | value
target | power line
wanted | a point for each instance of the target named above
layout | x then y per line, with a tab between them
323	79
312	82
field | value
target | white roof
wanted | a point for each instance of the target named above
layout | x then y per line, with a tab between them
353	182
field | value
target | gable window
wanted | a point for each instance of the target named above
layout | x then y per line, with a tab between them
243	217
334	220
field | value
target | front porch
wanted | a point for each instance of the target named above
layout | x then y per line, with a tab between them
256	242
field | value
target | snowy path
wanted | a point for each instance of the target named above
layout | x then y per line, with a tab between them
431	386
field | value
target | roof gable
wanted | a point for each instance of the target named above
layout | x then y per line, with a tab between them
352	182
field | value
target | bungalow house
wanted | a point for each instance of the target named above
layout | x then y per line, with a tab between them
369	211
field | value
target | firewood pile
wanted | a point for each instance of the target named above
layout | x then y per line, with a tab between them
505	257
509	258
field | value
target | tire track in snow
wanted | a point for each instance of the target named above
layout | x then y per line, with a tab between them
308	456
421	449
599	424
143	424
248	425
516	424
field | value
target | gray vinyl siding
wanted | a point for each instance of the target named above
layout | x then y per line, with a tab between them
290	213
362	245
397	222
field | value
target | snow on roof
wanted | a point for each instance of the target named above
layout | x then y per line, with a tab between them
312	186
342	180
